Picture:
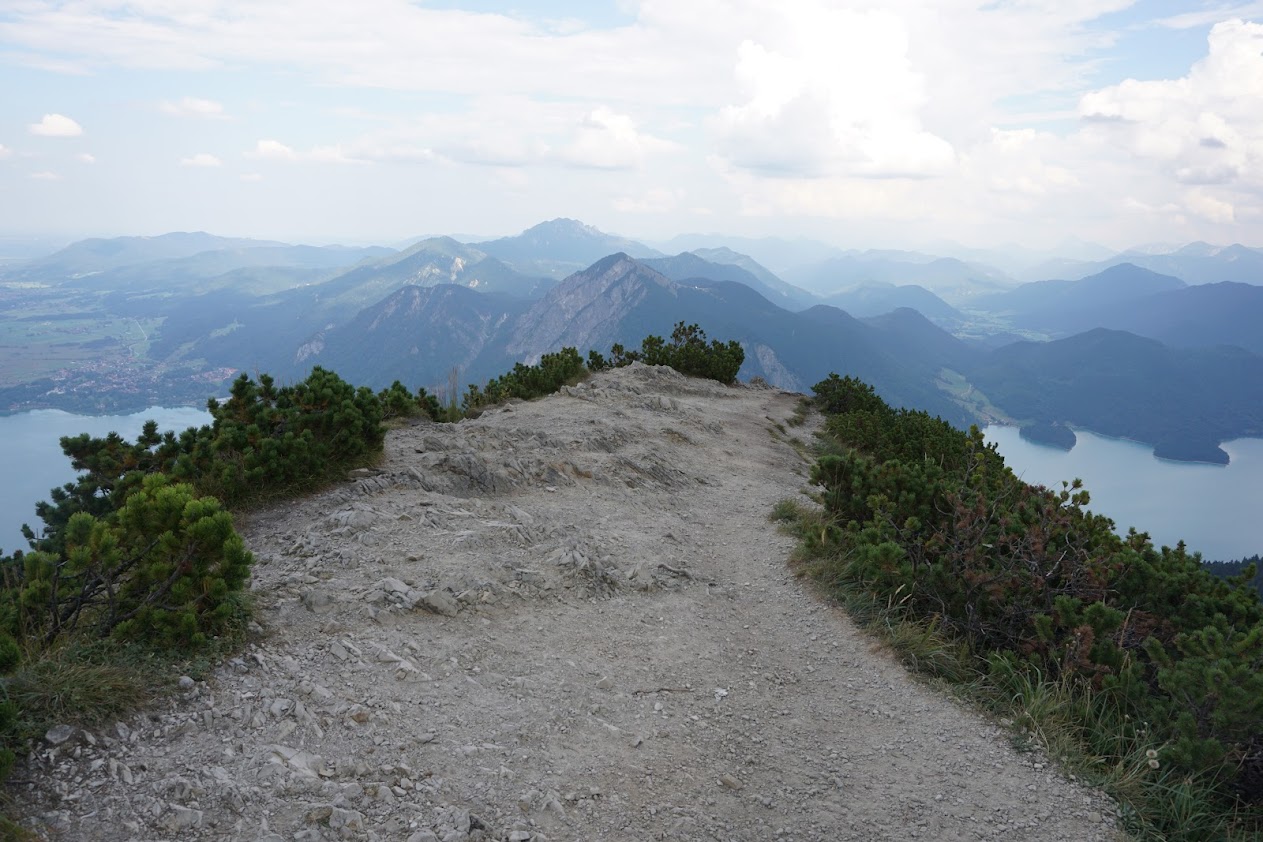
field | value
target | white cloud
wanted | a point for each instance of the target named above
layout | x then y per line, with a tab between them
956	113
838	96
509	132
56	125
251	177
45	175
385	44
610	141
1208	207
86	158
193	107
272	149
201	159
5	152
1205	128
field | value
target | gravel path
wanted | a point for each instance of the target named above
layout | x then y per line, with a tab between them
565	620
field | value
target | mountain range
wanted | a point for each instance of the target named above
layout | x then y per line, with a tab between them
440	306
1130	298
1195	263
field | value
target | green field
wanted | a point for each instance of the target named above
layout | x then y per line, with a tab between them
43	337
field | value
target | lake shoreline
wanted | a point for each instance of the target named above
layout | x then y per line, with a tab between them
30	447
1152	448
1206	504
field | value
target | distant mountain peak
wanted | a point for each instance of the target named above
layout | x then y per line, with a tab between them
560	247
618	268
566	225
1133	274
618	260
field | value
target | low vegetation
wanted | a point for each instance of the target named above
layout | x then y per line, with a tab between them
1251	568
1131	662
686	352
138	569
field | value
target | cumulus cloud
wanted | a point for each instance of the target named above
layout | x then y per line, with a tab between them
274	150
45	175
1205	128
5	152
1209	208
86	158
843	100
607	140
56	125
201	159
193	107
897	110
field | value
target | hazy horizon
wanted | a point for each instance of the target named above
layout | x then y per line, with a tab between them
17	248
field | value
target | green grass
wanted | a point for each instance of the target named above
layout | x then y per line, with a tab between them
801	410
83	685
966	395
94	683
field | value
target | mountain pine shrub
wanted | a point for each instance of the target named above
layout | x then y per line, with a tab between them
687	353
929	517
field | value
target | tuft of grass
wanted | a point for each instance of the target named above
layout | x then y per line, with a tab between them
787	511
922	648
84	685
12	832
800	412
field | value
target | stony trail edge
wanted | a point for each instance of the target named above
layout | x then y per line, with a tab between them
568	619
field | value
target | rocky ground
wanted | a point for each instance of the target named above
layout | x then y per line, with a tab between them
565	620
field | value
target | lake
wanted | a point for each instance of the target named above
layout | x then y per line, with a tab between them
34	464
1215	509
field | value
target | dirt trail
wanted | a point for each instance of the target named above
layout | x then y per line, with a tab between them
565	620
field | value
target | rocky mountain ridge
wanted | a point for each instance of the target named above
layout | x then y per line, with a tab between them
566	619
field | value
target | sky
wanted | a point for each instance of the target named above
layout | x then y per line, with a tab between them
887	124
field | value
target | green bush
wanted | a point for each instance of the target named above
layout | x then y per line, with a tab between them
141	549
930	516
526	382
267	442
159	569
687	353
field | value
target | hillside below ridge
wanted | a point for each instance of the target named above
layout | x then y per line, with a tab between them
568	619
